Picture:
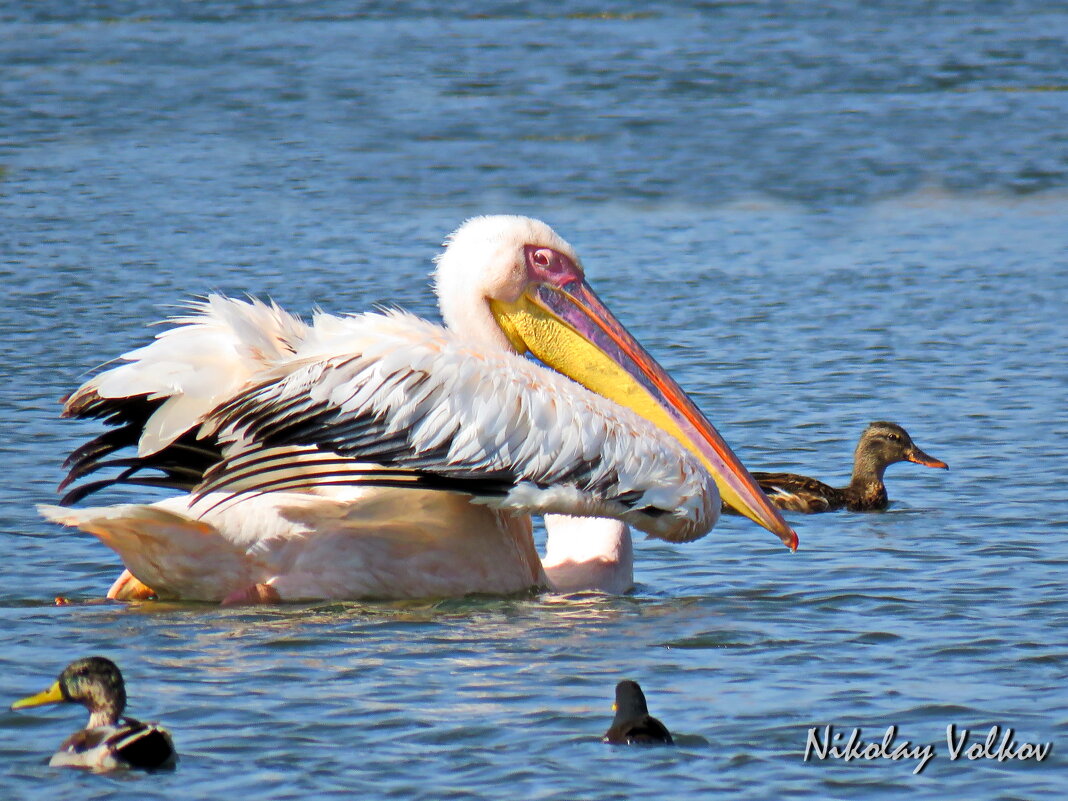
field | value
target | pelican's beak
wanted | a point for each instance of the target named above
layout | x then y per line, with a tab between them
565	325
53	695
914	454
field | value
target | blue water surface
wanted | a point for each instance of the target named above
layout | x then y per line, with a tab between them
814	215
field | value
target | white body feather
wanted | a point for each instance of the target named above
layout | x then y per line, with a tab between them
475	412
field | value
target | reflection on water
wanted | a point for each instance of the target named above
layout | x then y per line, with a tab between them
815	218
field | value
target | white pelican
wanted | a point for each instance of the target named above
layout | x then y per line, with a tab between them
381	456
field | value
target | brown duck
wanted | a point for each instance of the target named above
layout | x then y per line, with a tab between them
881	445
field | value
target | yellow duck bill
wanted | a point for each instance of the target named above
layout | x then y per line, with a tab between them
53	695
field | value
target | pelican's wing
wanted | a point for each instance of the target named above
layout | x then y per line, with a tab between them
161	394
391	400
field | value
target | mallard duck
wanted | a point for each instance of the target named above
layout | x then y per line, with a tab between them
108	741
633	725
881	445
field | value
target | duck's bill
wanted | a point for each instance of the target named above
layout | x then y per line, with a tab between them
919	457
568	328
53	695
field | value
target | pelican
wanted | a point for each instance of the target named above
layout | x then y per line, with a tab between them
379	455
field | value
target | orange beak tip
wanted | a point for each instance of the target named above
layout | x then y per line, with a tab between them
919	457
933	463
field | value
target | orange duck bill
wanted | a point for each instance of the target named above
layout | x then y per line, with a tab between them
919	457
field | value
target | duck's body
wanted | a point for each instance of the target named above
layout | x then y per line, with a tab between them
109	741
797	493
633	725
129	744
382	456
881	445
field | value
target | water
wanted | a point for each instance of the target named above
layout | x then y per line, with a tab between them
814	217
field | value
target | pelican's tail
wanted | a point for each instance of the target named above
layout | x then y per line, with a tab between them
174	554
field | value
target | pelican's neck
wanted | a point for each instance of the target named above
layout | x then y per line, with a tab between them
486	258
465	279
469	317
588	553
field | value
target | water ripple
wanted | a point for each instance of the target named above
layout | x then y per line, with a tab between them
814	217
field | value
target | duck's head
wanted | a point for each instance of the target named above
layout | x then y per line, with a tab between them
630	701
514	284
93	682
883	444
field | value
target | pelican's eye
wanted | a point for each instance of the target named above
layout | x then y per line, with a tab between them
550	266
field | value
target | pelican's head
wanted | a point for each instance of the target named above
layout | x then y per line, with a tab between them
515	283
491	259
